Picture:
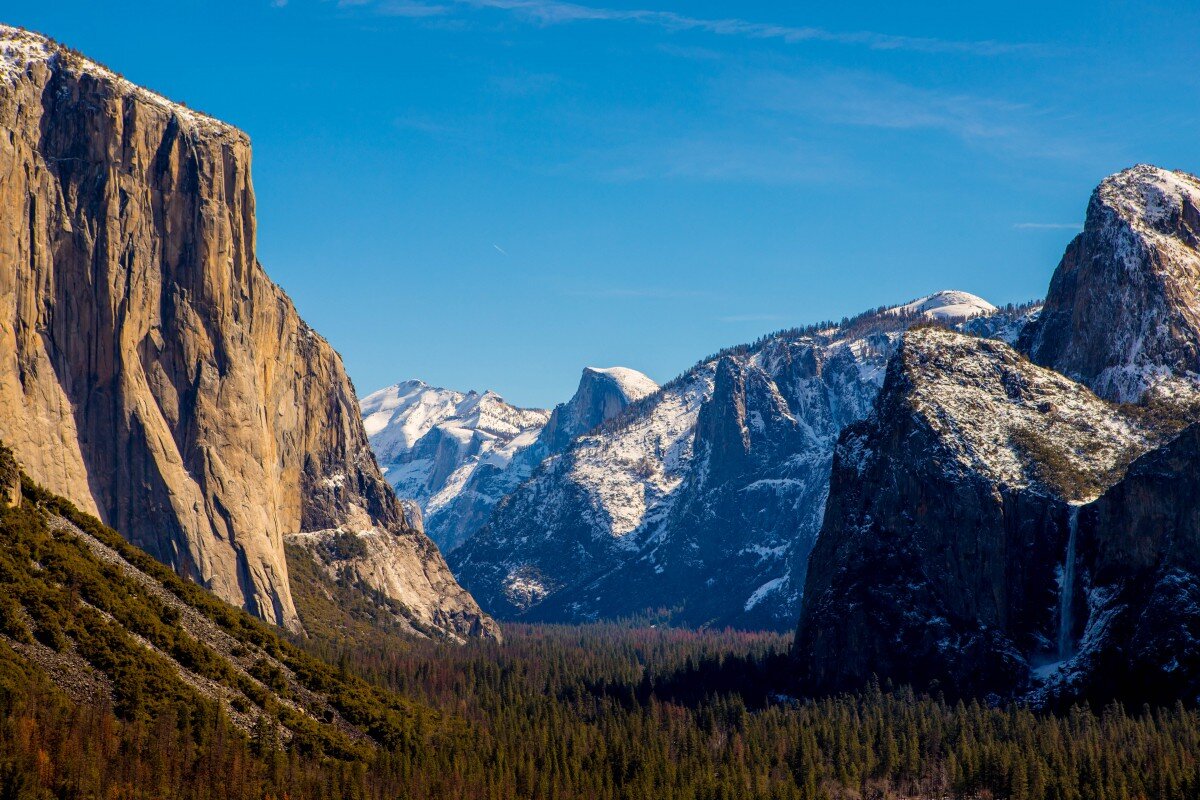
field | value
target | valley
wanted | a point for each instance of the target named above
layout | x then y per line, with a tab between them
941	548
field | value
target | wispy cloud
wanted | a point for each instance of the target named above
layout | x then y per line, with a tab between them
870	100
750	318
1048	226
555	12
401	8
754	157
877	101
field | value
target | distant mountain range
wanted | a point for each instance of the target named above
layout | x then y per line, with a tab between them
946	494
458	455
697	503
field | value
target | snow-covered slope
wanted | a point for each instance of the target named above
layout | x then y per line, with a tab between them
457	455
703	499
430	441
602	394
948	305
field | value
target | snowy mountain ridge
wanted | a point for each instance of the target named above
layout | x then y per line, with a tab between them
456	455
948	305
430	440
704	497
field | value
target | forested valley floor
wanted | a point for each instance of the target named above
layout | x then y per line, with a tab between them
118	679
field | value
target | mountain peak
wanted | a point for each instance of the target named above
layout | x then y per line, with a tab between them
635	385
948	304
21	50
603	393
1150	196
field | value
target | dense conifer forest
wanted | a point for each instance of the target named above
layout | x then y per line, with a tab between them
600	711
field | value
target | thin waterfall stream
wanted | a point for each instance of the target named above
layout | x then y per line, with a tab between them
1067	590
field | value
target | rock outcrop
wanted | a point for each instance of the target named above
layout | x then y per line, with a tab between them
1123	311
961	546
950	518
603	393
149	369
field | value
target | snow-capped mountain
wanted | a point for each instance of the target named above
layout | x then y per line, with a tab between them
948	306
704	499
430	441
456	455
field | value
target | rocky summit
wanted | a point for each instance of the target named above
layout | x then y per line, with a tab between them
1123	311
152	372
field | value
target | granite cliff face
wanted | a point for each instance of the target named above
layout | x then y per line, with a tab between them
150	370
1135	604
603	393
1123	311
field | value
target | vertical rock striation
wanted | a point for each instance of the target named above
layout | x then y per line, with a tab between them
149	369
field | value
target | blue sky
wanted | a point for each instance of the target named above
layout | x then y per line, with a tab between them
495	193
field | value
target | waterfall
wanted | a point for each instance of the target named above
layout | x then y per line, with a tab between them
1067	589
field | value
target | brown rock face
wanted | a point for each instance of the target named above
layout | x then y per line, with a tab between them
149	368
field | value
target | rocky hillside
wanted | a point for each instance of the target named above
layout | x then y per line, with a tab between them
149	368
985	531
702	501
457	455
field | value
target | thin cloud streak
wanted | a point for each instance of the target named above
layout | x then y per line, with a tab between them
554	12
750	318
